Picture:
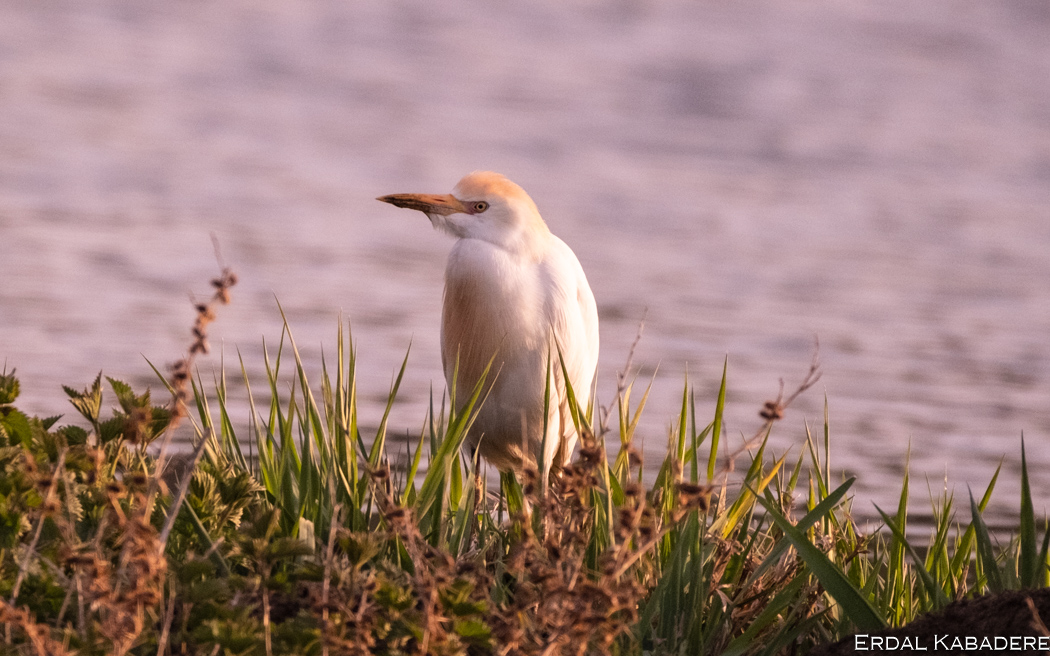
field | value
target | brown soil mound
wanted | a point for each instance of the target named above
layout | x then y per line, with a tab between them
1009	622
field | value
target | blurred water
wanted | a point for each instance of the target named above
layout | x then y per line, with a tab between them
745	175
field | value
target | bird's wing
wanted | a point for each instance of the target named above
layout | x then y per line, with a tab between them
574	320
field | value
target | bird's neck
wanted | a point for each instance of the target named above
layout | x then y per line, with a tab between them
530	240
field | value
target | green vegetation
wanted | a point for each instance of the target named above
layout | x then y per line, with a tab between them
295	534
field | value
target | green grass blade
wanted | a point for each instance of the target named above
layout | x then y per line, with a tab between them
1029	565
821	510
694	446
433	494
668	597
786	638
1043	579
856	606
202	532
932	588
964	549
781	601
895	571
985	551
410	478
380	441
579	421
231	445
637	416
543	466
731	520
716	429
683	416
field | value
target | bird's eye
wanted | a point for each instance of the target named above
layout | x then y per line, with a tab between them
480	207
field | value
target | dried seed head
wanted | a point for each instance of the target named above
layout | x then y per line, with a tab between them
115	489
691	489
633	457
772	410
137	480
647	525
135	425
80	559
629	518
591	455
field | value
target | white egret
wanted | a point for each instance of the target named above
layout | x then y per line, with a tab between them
514	295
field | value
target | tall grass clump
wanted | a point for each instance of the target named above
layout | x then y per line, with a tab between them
299	532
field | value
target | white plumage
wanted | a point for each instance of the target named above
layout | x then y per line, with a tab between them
514	294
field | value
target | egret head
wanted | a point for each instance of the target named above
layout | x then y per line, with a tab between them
483	205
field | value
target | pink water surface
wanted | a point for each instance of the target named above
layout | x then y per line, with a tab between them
746	175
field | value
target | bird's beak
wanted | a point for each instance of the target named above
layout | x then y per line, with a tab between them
443	204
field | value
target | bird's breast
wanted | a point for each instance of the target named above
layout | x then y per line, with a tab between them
493	311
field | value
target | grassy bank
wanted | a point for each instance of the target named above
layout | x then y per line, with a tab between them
294	534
